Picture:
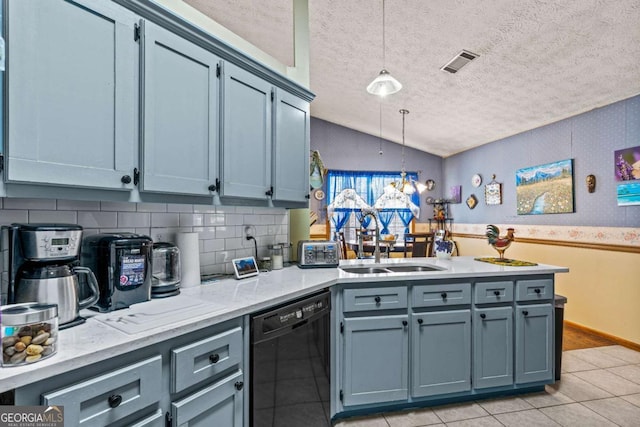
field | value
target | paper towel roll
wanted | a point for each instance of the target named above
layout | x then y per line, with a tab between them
189	258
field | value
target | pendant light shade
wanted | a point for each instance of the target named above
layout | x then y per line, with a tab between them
384	84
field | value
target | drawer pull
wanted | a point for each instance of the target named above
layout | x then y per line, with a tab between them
377	300
238	385
443	295
420	321
537	290
496	293
526	313
404	323
115	400
214	358
482	316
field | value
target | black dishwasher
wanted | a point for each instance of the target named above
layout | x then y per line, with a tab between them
290	364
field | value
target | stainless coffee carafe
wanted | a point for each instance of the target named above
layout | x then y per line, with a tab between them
59	284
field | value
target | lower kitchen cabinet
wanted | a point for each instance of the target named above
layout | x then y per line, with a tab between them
493	347
196	379
463	340
375	359
441	352
110	397
220	404
534	343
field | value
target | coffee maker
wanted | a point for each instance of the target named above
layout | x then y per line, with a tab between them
40	263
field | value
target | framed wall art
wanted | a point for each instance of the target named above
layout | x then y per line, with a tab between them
493	192
545	189
455	194
627	164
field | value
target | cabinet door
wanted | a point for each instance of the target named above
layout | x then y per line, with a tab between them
534	343
246	141
375	359
72	93
441	352
181	104
492	347
291	149
220	404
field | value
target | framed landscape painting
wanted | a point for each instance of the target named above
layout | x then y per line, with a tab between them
545	189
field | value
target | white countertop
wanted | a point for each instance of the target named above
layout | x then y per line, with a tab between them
213	302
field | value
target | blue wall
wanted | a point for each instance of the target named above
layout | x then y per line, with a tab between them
342	148
590	139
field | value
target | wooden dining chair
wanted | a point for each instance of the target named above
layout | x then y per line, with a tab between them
418	244
343	244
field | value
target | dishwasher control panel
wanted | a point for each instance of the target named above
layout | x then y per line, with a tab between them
318	253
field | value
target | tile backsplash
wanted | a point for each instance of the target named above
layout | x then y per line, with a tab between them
221	228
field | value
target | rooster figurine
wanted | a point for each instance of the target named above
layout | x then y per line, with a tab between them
500	244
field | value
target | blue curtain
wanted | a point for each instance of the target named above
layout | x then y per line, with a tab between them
364	222
340	218
368	184
385	216
405	216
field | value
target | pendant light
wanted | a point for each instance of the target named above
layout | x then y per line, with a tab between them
385	83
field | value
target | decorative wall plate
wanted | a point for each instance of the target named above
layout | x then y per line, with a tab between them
472	201
319	194
476	180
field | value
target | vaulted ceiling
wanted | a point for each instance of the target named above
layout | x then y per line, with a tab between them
540	61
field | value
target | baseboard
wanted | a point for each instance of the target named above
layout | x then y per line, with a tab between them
625	343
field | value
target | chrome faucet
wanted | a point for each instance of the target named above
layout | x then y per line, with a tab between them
376	252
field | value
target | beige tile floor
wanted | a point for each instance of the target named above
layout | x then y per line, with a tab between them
599	387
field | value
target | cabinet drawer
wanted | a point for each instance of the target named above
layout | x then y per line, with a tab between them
441	295
204	359
219	404
534	290
105	399
492	292
375	298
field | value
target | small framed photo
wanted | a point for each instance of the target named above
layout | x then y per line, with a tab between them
493	193
245	267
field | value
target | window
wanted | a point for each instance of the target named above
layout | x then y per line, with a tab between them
348	192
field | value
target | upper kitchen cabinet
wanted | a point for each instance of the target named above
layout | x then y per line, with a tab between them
247	133
181	109
291	149
72	93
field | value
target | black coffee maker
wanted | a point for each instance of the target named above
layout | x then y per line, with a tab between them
122	263
41	264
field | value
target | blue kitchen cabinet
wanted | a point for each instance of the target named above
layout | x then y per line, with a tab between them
247	135
492	347
291	148
72	93
220	404
534	343
375	359
441	352
181	93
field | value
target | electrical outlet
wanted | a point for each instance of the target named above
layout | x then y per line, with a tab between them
248	231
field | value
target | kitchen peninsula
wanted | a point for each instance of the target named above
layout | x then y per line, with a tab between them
458	331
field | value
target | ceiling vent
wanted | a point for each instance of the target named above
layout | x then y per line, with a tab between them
459	61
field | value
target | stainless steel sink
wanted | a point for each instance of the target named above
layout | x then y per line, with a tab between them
412	268
389	269
365	270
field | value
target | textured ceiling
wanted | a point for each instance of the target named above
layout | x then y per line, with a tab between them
540	61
